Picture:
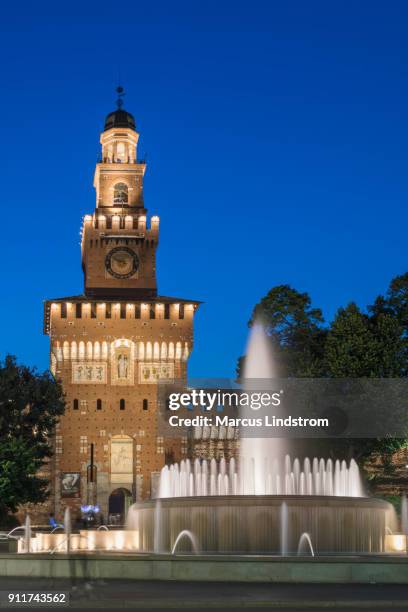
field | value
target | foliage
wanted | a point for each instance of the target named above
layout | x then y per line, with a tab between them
30	405
351	347
296	331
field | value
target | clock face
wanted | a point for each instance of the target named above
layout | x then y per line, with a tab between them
121	262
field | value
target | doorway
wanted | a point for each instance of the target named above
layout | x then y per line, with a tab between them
119	502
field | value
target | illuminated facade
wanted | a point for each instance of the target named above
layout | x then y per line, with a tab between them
112	345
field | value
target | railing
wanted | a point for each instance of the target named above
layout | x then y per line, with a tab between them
107	160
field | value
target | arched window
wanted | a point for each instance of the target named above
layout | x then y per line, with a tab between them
99	404
120	194
75	404
121	152
122	404
145	404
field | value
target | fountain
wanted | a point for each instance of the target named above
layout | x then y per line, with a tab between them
404	515
190	536
27	534
305	537
284	529
67	528
267	504
316	477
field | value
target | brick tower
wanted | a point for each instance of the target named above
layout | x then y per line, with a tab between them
114	344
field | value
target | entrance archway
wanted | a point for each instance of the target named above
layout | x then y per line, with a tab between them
119	502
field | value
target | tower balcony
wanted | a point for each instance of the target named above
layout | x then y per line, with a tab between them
112	160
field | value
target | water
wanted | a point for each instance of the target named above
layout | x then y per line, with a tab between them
284	529
157	546
186	534
404	515
27	534
281	477
257	453
68	528
305	537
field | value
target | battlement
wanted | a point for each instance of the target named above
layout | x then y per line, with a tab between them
82	309
122	223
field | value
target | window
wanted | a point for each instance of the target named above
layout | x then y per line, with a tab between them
181	311
137	311
78	311
83	444
108	311
58	445
167	311
63	310
122	404
75	404
145	404
123	311
152	312
120	194
99	404
93	310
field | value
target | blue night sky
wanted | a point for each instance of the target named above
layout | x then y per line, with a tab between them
276	136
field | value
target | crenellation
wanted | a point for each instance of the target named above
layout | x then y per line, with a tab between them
113	220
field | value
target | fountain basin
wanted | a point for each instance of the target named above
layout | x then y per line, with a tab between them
85	540
253	523
396	543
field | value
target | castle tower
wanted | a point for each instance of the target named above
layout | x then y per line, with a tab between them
114	344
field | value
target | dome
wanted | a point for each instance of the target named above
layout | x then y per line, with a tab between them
119	119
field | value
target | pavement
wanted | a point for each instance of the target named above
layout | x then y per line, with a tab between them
155	595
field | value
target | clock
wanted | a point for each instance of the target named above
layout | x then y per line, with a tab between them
121	262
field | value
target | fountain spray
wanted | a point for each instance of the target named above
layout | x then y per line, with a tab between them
67	528
27	534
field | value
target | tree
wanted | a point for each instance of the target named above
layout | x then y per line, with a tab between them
351	348
30	405
296	331
395	301
392	353
390	314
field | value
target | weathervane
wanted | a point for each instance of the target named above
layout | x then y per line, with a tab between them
121	92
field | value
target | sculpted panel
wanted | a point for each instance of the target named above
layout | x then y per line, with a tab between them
151	372
85	372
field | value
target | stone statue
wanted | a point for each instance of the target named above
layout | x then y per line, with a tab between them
122	366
